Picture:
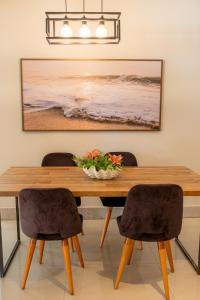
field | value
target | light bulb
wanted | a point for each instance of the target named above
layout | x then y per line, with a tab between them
85	31
101	31
66	30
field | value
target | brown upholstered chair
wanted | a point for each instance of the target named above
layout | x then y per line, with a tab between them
128	160
50	214
60	159
152	213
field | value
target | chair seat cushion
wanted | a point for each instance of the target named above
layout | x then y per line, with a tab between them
113	201
141	236
49	237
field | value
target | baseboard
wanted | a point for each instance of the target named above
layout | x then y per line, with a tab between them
89	213
96	213
191	212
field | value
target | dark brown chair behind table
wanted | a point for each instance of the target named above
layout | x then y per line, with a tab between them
129	159
61	159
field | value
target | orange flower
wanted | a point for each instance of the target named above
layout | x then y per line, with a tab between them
116	159
93	154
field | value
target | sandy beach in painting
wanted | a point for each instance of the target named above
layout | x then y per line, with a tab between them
91	102
53	119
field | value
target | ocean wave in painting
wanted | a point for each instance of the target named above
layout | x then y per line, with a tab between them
122	99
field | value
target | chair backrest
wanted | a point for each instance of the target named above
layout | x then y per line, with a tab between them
49	212
129	158
153	212
58	159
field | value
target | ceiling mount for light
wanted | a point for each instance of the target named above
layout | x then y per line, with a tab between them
84	27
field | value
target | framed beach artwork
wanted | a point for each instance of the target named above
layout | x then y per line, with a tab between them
102	94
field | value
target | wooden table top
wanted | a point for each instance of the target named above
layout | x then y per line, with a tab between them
17	178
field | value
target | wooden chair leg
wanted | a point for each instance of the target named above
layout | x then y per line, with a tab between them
72	244
78	250
169	255
30	252
131	249
125	255
107	220
68	268
41	251
140	246
163	264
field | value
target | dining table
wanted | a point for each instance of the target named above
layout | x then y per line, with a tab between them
13	180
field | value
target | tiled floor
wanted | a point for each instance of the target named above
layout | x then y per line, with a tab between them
141	280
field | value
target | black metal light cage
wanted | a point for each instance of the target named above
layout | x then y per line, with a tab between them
54	19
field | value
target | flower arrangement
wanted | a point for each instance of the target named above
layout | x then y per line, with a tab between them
98	165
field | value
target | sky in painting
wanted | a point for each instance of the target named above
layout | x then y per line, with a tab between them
61	68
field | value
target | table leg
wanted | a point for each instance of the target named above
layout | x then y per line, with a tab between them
17	218
4	268
188	256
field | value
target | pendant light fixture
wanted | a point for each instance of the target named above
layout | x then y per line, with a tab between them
66	30
101	31
85	31
83	27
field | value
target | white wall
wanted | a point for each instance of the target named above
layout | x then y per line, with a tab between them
150	29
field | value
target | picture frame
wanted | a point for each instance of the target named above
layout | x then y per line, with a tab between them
91	94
